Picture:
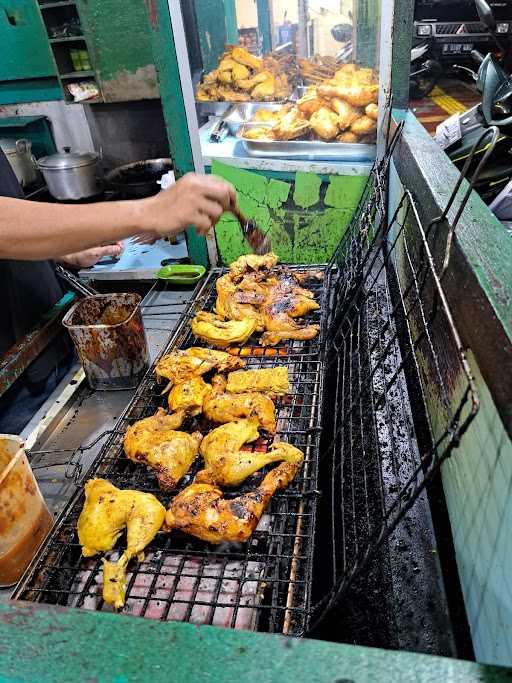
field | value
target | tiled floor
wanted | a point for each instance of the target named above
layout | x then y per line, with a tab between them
447	98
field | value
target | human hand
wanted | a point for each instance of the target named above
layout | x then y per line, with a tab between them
197	200
90	257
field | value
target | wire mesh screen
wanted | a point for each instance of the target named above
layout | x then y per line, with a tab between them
389	319
263	584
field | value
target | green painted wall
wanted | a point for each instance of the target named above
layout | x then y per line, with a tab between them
367	13
305	217
118	34
211	28
24	47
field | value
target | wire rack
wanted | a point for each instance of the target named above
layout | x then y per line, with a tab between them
263	584
390	330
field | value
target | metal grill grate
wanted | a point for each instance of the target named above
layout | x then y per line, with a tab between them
263	584
388	308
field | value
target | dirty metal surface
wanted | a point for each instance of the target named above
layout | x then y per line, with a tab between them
37	641
19	357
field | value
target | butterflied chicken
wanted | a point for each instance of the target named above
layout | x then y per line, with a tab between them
187	397
178	366
106	513
227	465
201	510
228	307
218	332
224	407
267	380
170	453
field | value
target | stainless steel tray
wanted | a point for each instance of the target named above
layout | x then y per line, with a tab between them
219	108
311	150
245	111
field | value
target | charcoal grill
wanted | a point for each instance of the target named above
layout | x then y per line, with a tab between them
349	411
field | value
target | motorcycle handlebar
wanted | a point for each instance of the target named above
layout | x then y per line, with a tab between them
477	56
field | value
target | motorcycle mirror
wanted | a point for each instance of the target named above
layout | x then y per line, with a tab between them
485	14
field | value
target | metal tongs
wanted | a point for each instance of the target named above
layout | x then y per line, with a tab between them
220	129
259	240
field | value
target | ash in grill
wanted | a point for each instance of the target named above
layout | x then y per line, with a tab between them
348	411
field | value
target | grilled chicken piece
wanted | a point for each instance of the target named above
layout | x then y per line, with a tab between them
224	407
228	465
252	262
348	137
266	90
278	319
218	332
267	380
106	513
187	397
179	366
227	306
153	442
324	123
202	511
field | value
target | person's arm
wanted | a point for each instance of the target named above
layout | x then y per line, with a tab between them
37	230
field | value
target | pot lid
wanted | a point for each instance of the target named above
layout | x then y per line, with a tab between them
68	159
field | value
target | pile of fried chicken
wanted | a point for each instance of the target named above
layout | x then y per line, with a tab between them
241	77
238	405
256	297
339	109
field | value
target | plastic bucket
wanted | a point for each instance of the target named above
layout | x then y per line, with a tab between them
24	518
108	334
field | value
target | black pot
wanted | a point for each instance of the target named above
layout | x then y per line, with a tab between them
139	179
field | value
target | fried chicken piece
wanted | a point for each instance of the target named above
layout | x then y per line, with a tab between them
266	380
324	122
229	95
155	443
347	114
224	407
227	465
348	136
225	77
364	126
239	72
259	133
187	397
202	511
218	332
178	366
266	90
244	57
250	262
356	95
211	77
226	64
291	126
106	513
248	84
372	111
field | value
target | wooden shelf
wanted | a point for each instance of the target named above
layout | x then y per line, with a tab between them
69	39
77	74
49	5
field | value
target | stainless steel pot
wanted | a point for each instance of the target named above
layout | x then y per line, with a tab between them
19	155
72	175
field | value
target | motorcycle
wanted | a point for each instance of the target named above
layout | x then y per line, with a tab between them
458	134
